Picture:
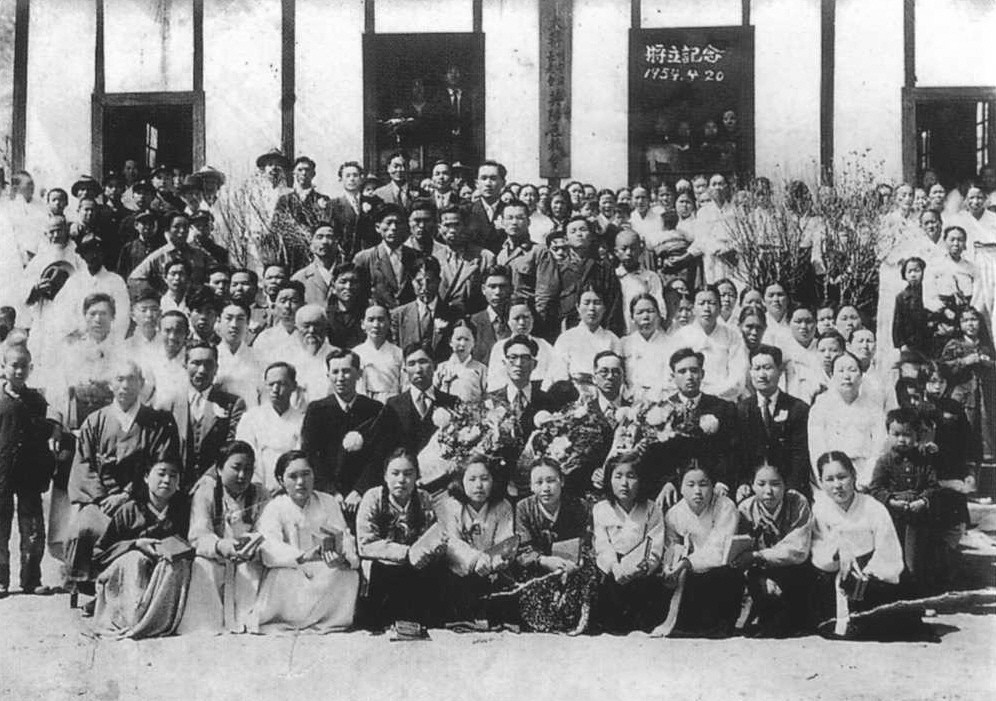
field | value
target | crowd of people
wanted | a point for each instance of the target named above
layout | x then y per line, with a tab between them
245	445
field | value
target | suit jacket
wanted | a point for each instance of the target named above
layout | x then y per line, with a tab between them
385	288
201	445
558	290
346	218
714	452
405	328
785	444
325	425
481	228
448	200
316	291
408	429
462	275
390	194
539	401
486	338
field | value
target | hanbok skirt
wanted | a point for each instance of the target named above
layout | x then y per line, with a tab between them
779	601
709	603
141	597
560	604
903	624
221	596
310	598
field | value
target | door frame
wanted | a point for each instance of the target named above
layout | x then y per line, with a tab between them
102	101
912	96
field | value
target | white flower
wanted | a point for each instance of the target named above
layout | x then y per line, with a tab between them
580	411
441	418
541	418
709	424
440	324
782	416
469	434
656	417
352	442
559	447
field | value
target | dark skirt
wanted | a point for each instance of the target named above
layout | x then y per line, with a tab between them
710	603
780	599
635	605
559	604
402	592
903	625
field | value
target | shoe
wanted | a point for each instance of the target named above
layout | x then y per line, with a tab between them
40	590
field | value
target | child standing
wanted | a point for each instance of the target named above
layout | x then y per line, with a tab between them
26	467
461	375
629	598
905	481
909	324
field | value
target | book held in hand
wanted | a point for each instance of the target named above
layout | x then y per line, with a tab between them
736	546
432	541
505	550
247	545
331	540
569	550
174	548
631	561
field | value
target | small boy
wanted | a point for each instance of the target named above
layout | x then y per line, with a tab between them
380	360
26	467
905	481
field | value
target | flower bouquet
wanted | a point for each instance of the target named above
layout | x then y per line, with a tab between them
487	427
576	437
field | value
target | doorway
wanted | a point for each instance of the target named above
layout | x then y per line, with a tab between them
948	131
151	128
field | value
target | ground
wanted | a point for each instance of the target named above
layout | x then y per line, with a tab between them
46	653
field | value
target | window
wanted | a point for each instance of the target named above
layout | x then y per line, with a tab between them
151	145
983	130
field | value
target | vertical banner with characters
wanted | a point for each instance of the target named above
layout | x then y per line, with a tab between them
691	101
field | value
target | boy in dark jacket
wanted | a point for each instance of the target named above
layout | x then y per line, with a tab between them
26	466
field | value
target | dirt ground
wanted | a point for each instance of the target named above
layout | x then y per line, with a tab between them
45	653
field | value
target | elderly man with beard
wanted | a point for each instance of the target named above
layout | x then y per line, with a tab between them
309	358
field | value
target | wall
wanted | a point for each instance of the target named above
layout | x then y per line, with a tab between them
242	40
868	88
955	29
57	148
148	45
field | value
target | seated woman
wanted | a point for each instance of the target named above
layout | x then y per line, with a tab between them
629	544
698	529
475	519
778	576
141	589
857	557
225	506
551	528
404	581
311	578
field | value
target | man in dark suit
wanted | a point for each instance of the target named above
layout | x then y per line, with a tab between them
707	428
350	467
389	265
524	398
443	195
346	208
426	319
410	413
206	417
397	191
608	375
303	206
773	427
492	323
482	214
317	275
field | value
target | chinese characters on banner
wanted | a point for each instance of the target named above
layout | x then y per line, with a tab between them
691	102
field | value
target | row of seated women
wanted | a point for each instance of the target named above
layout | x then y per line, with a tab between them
551	563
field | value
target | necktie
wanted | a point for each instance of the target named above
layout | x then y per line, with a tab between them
424	322
501	328
766	413
197	407
422	404
519	404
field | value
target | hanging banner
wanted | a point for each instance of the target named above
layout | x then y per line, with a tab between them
555	19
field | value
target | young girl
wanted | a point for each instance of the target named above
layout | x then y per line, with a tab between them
520	323
909	324
311	577
461	375
541	520
224	508
703	522
404	584
646	350
140	593
854	547
778	576
629	597
474	518
575	349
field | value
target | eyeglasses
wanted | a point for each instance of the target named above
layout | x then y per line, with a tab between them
519	358
609	372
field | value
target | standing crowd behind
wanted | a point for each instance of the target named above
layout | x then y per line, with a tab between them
235	448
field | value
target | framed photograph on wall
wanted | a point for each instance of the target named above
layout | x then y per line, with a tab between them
423	95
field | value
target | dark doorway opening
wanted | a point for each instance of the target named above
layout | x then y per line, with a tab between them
948	131
152	128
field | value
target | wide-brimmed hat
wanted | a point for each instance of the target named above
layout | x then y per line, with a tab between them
273	156
210	172
191	183
85	182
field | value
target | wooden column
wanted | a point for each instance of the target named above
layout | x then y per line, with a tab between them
909	43
477	21
287	76
97	100
745	12
19	125
828	17
198	45
635	14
